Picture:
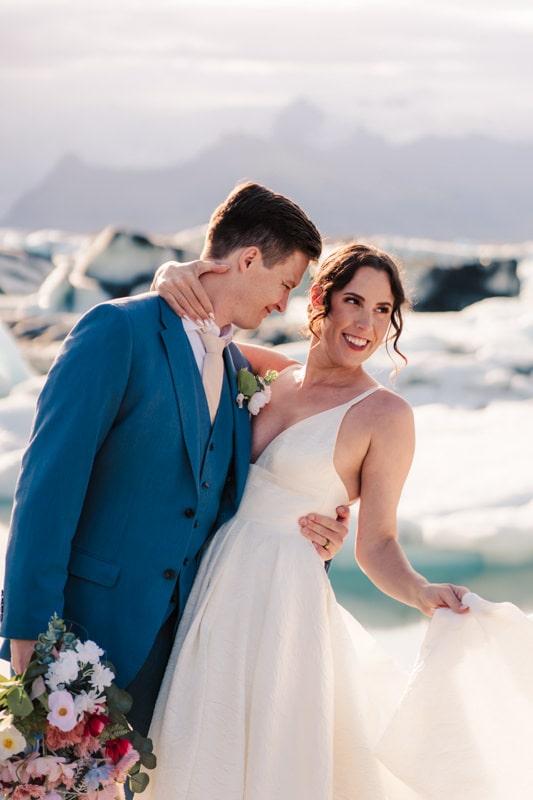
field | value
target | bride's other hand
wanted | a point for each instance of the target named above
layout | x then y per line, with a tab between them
179	285
442	595
326	534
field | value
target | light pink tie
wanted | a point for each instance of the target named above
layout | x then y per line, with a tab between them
213	369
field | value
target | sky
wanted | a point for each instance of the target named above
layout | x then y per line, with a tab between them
151	82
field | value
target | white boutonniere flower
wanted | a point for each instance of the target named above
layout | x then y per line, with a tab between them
254	389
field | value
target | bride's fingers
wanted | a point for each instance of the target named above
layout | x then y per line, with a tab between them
176	306
186	296
179	285
445	596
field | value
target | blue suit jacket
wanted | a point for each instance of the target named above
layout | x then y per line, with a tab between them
109	493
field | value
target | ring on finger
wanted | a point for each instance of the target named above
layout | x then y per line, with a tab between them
326	545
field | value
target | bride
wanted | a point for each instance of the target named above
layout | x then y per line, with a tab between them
273	691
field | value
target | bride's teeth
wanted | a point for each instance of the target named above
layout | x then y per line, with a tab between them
355	340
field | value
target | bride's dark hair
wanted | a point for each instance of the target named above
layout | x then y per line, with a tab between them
338	269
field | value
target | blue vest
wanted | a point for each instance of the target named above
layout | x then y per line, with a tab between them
217	448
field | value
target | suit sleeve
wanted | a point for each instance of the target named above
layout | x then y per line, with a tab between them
77	407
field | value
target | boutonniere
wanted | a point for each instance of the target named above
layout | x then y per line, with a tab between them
254	389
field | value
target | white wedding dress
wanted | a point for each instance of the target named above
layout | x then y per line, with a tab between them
274	692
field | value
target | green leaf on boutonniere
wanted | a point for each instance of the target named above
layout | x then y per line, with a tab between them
246	382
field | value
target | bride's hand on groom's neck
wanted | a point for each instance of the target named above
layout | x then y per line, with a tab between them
180	286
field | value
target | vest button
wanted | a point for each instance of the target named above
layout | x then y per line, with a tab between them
169	574
212	446
189	512
185	562
206	485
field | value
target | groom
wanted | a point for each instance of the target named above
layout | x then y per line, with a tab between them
126	475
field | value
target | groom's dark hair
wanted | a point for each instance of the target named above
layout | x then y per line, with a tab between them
252	215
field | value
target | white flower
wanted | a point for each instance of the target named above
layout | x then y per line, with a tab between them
90	702
89	652
256	403
62	711
11	739
64	670
254	390
101	677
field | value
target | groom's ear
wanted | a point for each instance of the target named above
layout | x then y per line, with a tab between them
249	258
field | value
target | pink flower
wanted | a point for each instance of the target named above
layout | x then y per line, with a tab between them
55	738
44	767
28	791
13	771
51	796
125	764
54	769
88	746
62	710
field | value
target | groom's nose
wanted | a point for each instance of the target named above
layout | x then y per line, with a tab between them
282	305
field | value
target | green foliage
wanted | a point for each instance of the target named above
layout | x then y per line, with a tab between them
138	782
18	702
247	383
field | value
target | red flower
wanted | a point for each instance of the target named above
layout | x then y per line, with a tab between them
116	748
96	724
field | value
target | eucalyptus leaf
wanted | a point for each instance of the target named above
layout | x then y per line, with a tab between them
119	698
139	782
34	670
141	743
148	760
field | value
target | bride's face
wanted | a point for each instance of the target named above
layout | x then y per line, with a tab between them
359	317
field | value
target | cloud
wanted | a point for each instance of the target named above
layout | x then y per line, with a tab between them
113	80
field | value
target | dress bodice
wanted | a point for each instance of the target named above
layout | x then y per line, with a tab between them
295	473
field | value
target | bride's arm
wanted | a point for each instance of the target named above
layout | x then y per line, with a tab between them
378	551
264	358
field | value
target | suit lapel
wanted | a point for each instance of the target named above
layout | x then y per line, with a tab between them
189	392
242	439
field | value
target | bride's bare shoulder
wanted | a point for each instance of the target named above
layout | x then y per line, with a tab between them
390	407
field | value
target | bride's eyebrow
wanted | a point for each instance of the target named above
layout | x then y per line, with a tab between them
360	297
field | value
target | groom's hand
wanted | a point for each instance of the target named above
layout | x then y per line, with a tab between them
21	653
326	534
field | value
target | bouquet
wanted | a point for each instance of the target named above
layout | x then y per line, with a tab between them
63	730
